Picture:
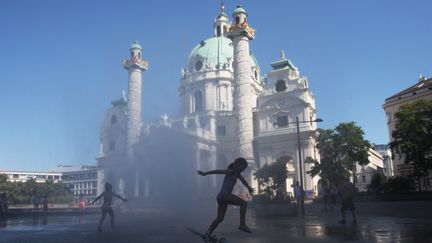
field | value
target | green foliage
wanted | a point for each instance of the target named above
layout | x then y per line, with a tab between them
412	137
24	193
272	176
340	149
377	183
398	184
3	178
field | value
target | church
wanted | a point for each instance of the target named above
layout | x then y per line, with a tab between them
228	109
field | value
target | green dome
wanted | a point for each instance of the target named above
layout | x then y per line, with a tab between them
136	45
222	15
239	9
213	51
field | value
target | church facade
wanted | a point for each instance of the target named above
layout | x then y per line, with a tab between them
228	109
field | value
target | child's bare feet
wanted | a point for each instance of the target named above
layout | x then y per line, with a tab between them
244	228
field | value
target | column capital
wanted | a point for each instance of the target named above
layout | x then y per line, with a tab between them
135	64
235	31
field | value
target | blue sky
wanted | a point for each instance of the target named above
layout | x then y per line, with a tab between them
60	63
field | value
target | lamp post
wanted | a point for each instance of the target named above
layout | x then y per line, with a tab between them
301	162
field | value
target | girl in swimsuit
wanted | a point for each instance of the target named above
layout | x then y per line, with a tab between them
107	195
225	196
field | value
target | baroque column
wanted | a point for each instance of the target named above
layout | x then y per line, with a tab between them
135	65
240	33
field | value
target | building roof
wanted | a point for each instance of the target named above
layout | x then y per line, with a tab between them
282	64
136	45
222	15
239	9
215	50
421	84
119	102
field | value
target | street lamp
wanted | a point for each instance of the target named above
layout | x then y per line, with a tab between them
300	160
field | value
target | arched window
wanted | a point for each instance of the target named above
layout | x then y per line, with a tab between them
114	119
198	101
237	20
224	29
139	55
280	86
218	30
198	65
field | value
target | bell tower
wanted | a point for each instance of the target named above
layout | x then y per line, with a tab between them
221	24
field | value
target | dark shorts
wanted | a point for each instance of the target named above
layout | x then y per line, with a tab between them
347	204
221	198
107	209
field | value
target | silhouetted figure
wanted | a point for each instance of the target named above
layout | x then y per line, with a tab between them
81	202
332	191
346	191
45	203
225	196
4	204
107	195
36	202
326	198
298	193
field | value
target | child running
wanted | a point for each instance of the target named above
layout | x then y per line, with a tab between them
107	195
225	196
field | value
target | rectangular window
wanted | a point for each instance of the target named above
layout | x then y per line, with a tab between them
282	121
220	130
56	177
363	178
15	176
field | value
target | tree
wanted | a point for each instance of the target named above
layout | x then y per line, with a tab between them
272	176
377	183
340	149
22	193
3	179
398	184
412	137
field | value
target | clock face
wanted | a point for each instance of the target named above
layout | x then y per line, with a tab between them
198	65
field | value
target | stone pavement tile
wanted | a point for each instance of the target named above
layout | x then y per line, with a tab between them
171	226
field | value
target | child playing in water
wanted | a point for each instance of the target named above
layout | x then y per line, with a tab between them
107	195
225	196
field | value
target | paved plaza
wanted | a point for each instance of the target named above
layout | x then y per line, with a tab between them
159	224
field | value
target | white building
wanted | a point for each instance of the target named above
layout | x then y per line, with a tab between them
422	90
228	109
365	173
385	152
39	177
84	182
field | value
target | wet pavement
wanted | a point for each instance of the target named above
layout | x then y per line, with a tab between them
164	225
